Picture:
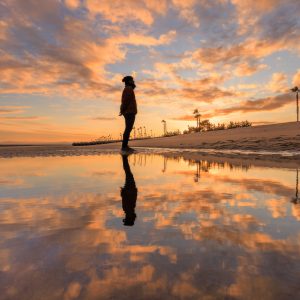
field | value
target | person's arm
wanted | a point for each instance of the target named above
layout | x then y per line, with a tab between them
127	97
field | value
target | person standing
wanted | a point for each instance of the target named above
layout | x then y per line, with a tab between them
128	109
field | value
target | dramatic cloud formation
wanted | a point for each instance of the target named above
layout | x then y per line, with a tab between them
259	105
264	104
122	11
186	54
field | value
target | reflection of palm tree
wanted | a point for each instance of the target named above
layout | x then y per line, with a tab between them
197	175
128	194
296	90
297	182
165	165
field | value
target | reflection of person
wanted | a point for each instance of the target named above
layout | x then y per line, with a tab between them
128	109
128	194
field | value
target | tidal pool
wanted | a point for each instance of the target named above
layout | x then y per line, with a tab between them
147	226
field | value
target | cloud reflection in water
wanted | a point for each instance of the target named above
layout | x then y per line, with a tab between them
204	230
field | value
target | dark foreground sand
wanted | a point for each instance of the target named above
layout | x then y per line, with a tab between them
273	145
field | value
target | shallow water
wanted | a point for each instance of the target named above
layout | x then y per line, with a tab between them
147	227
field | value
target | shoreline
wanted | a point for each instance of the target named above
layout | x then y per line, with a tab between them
240	159
276	143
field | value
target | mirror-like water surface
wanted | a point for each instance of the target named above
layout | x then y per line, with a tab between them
147	227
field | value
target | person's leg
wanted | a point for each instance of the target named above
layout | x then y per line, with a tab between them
129	121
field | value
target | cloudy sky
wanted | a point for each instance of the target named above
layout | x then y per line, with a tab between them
62	62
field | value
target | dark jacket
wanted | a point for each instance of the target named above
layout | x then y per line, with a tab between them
128	101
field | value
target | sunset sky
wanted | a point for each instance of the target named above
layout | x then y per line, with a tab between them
62	62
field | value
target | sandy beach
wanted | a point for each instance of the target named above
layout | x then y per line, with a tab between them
276	137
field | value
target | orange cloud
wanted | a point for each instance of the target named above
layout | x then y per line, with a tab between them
22	118
296	79
75	64
184	118
264	104
119	11
248	15
245	55
187	12
72	4
142	40
100	118
278	83
247	69
13	109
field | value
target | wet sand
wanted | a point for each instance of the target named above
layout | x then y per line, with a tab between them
277	145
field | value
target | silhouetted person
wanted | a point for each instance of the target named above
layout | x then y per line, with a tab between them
128	109
128	194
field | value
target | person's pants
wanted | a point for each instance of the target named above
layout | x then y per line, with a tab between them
129	121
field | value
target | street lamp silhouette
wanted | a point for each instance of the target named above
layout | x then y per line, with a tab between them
165	126
145	132
296	90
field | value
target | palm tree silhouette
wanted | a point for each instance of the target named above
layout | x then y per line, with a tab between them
296	90
197	115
